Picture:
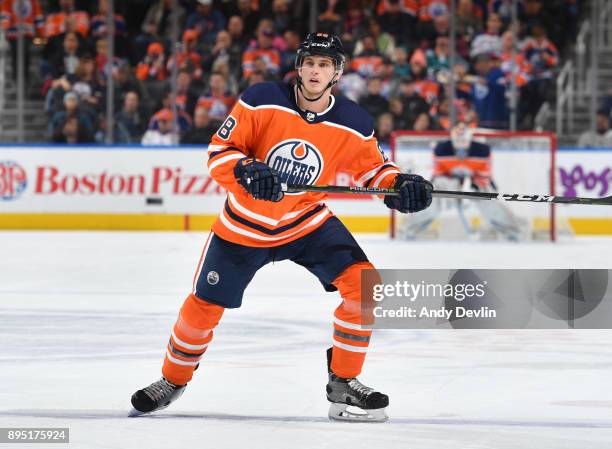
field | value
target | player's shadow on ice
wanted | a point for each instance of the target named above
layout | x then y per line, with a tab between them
123	414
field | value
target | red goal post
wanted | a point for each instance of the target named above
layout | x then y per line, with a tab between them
522	162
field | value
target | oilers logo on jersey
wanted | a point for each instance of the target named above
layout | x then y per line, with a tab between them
297	161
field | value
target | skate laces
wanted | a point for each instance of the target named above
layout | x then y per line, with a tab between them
360	388
160	389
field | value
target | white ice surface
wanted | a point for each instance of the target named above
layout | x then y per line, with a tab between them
85	317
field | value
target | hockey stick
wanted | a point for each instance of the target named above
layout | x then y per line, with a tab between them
607	201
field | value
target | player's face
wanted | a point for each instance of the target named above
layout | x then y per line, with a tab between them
316	73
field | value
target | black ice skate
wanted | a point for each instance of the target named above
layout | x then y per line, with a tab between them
344	393
156	396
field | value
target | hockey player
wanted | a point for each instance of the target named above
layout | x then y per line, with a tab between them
456	162
280	133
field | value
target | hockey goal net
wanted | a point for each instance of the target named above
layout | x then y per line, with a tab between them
522	162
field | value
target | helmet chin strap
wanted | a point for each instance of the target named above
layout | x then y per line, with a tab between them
329	86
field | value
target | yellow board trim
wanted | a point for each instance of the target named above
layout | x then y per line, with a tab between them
180	222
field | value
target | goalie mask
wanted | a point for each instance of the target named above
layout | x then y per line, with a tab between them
461	138
321	44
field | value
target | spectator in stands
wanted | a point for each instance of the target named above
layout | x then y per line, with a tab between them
57	22
413	103
160	16
255	78
131	119
186	93
88	87
524	68
226	52
504	9
168	102
384	128
153	66
396	108
65	63
293	39
282	18
32	22
71	132
102	54
353	22
488	93
389	81
373	101
401	66
384	44
438	58
71	109
99	29
607	103
437	23
202	130
250	17
490	41
218	101
235	27
262	49
351	84
125	82
147	36
232	81
422	123
206	21
543	58
367	60
398	23
428	89
330	19
188	58
468	19
602	137
162	134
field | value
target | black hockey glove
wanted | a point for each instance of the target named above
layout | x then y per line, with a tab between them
258	179
415	194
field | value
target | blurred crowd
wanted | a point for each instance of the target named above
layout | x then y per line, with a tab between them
398	64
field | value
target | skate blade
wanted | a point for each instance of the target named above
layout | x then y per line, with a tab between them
134	413
340	412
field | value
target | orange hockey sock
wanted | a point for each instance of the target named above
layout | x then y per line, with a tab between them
190	338
350	340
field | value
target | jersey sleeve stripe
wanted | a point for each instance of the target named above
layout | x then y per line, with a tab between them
212	148
223	160
279	230
369	176
226	151
380	170
383	175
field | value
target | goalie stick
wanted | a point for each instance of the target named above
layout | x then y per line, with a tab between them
607	201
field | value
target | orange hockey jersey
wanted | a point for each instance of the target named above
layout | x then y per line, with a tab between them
304	147
32	19
474	162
